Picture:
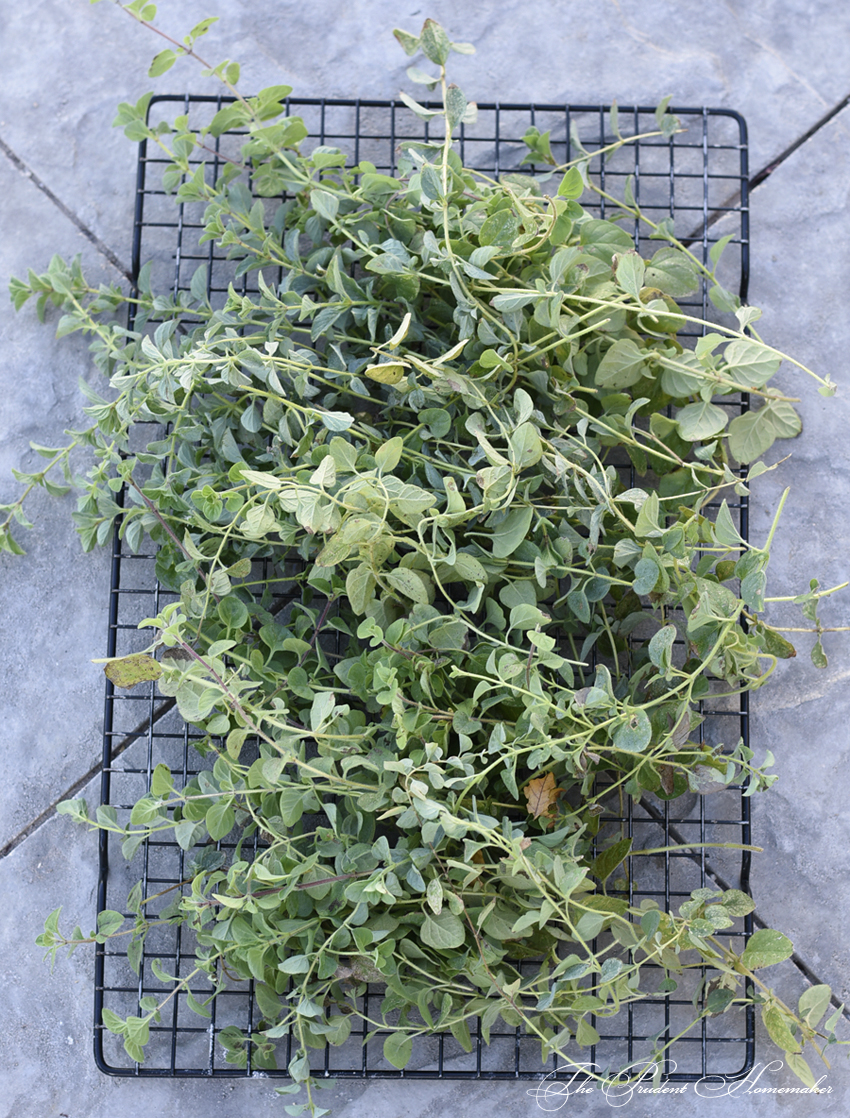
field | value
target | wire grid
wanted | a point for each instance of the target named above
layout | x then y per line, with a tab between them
699	179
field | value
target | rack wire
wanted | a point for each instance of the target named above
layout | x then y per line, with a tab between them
698	178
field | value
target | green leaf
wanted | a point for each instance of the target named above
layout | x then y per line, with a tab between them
295	964
435	43
630	273
749	363
388	455
701	421
635	733
725	531
724	300
571	185
444	932
233	612
801	1069
647	573
421	77
586	1035
750	435
672	272
650	922
512	531
162	782
501	228
716	250
438	420
661	647
108	922
322	709
415	107
326	205
220	819
819	657
604	864
784	417
113	1022
460	1031
775	1022
814	1003
161	63
455	106
604	238
765	948
509	303
622	365
398	1049
410	584
648	519
337	420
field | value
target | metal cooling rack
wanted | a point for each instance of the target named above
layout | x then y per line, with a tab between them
699	178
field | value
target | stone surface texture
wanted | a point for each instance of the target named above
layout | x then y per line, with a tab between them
783	64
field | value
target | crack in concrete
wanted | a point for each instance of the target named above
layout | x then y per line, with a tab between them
734	200
50	811
759	177
28	173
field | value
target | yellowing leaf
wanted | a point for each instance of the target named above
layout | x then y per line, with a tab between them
390	373
130	670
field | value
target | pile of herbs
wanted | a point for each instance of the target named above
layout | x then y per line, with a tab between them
425	421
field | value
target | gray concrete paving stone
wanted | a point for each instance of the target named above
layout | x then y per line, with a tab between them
54	598
799	220
782	65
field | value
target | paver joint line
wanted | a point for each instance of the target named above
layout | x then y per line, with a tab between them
19	164
78	785
765	173
798	961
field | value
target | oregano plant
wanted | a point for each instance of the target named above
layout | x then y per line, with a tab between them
426	420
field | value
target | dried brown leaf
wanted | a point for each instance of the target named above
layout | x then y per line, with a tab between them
541	795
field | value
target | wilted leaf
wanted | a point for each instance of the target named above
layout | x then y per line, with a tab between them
667	775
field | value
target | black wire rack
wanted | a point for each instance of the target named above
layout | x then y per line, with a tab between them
698	178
